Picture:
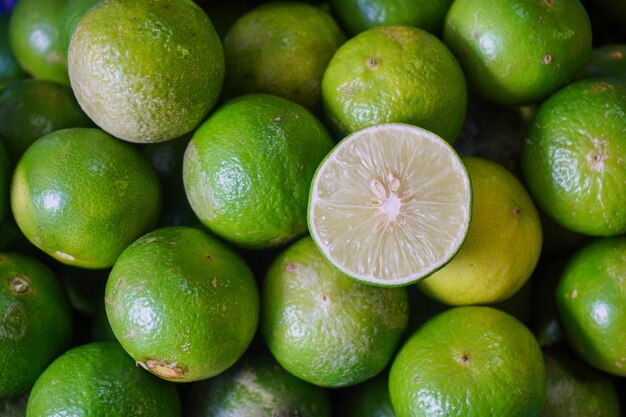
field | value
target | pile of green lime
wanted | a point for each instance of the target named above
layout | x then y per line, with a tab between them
260	208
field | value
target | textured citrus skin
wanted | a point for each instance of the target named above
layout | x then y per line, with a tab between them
248	169
36	39
182	304
359	15
152	76
257	386
324	327
281	49
10	70
29	109
469	362
573	159
607	61
502	246
36	323
591	303
577	390
5	175
518	52
395	74
100	379
82	196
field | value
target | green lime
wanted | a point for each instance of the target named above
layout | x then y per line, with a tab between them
324	327
573	158
390	204
470	362
182	304
248	169
35	37
502	246
157	81
13	406
10	70
607	61
591	303
100	379
518	52
367	399
257	386
577	390
359	15
87	209
35	325
29	109
282	49
395	74
5	175
73	11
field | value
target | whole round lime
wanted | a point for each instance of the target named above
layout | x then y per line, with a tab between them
10	70
470	362
257	386
591	304
82	196
574	158
502	246
324	327
282	49
35	37
248	169
100	379
36	321
395	74
151	76
183	304
518	52
31	108
5	175
607	61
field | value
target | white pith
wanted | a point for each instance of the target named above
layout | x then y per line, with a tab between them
390	204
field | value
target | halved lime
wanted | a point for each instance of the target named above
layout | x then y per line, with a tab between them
390	204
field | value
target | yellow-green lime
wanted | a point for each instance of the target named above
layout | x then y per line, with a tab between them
469	362
183	304
574	157
502	246
100	379
390	204
324	327
281	48
395	74
36	321
248	169
82	196
151	76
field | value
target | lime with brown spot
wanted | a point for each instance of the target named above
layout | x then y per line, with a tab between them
153	75
35	322
183	304
82	196
574	158
607	61
591	304
100	379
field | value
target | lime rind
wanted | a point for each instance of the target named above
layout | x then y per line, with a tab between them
390	204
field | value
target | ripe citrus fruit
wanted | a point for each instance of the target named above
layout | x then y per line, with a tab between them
281	49
502	246
324	327
359	15
153	75
34	34
10	70
577	390
390	204
257	386
591	303
469	362
182	304
248	169
5	175
607	61
29	109
518	52
395	74
574	157
36	321
100	379
367	399
87	209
